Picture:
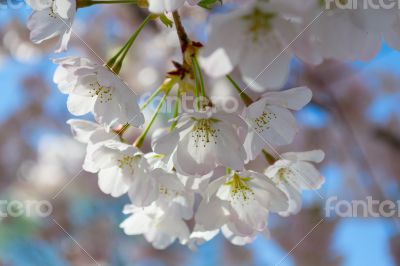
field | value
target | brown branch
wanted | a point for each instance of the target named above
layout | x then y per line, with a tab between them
182	35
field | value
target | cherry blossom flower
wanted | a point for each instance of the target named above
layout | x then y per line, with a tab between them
160	227
163	221
161	6
271	121
94	88
119	166
203	141
253	39
238	204
51	18
92	134
295	173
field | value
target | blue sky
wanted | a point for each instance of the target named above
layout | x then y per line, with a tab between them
360	241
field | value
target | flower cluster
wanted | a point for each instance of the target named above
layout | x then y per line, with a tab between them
198	178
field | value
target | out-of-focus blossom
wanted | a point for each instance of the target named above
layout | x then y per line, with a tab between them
52	18
250	39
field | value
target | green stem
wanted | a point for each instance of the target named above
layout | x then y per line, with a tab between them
245	98
176	111
82	4
140	140
115	63
151	98
198	75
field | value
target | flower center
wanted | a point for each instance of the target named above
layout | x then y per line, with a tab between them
168	192
52	12
127	161
239	189
262	122
204	133
104	93
283	175
259	23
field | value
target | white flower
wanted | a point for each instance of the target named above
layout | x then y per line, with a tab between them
159	226
119	168
163	221
238	204
51	18
92	134
203	141
253	39
270	120
294	173
161	6
94	88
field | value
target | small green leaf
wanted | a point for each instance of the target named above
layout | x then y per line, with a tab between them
208	4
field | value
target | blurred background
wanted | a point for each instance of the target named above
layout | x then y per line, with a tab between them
354	117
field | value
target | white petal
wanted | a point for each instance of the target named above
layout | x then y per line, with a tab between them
225	44
82	130
306	176
265	65
312	156
164	141
294	99
112	182
276	126
194	160
211	215
44	27
136	224
161	6
295	201
236	239
79	105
